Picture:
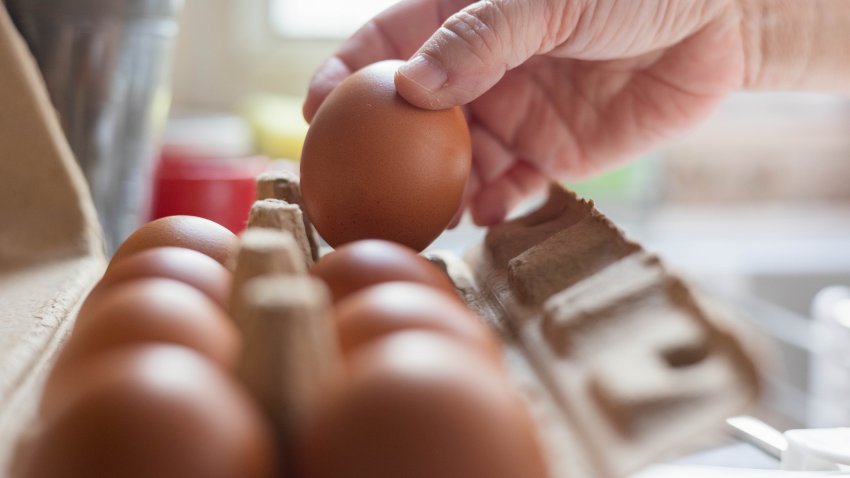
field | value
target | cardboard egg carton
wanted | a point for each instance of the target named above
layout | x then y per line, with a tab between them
51	251
619	359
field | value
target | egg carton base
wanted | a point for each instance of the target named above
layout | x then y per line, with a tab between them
618	359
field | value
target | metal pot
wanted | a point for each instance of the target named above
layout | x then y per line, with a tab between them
106	65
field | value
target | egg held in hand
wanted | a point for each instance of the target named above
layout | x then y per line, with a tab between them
376	167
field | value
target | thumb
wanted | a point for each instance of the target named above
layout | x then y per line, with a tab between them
471	52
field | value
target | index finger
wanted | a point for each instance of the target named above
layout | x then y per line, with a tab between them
395	33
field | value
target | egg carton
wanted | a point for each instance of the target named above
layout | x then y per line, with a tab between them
618	359
51	251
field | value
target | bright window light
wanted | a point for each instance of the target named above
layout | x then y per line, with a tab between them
323	18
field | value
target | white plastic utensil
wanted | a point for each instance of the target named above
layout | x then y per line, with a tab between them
759	434
812	449
817	449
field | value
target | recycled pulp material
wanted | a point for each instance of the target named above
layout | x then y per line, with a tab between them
50	244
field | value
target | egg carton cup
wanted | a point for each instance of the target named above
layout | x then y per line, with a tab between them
618	359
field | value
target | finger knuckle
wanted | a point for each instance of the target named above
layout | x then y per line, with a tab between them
477	29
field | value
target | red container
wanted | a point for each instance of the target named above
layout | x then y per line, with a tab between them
219	189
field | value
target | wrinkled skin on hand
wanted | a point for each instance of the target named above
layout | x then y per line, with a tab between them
553	89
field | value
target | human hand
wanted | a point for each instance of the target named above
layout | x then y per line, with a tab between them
553	89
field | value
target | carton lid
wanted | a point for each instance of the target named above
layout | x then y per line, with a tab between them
45	208
51	250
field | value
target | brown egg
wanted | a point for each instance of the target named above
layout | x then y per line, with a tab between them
376	167
151	411
419	405
395	306
191	232
183	265
360	264
154	310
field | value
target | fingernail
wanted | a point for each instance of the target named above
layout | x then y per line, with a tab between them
425	72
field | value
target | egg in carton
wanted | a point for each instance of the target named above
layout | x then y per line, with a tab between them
618	359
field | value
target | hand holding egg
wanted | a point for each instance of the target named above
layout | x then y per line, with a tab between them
376	167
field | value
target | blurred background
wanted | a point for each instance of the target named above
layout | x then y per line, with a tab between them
754	205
